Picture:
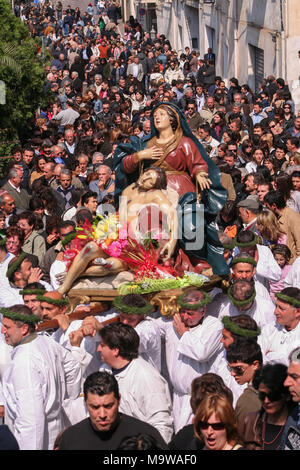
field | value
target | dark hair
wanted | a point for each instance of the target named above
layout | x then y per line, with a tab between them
134	300
243	321
273	377
242	289
284	184
34	285
206	384
122	337
23	310
87	195
82	215
245	236
139	442
283	250
244	350
101	383
275	197
292	292
15	231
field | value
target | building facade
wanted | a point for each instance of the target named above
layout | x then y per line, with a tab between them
251	38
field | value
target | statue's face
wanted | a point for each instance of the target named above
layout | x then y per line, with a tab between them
147	180
161	119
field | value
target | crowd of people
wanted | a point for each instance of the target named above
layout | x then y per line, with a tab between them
224	372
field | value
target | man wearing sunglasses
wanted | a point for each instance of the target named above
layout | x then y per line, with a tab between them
244	358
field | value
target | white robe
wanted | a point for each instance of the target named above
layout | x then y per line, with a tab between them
188	357
40	376
267	268
292	279
276	342
75	409
10	296
145	395
150	343
262	310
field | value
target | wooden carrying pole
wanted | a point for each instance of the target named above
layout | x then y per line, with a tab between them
79	314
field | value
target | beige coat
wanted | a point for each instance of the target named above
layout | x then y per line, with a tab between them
290	224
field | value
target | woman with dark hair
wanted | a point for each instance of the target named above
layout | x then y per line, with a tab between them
246	151
284	184
257	159
38	169
263	429
217	125
270	163
34	243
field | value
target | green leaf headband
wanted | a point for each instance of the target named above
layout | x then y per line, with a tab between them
255	241
289	300
49	300
237	330
14	266
240	259
19	316
240	303
206	299
32	291
132	310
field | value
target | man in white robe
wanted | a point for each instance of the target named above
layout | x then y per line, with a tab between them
280	337
267	268
192	341
145	393
41	375
20	272
243	299
233	327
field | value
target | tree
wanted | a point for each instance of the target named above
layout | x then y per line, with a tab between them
22	71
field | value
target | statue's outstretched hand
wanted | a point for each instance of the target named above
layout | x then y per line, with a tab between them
203	181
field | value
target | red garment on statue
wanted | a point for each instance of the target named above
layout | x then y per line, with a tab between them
186	157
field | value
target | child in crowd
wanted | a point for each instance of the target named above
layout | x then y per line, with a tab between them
282	255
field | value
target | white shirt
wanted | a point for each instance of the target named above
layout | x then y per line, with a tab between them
40	376
293	277
188	357
145	395
276	342
262	309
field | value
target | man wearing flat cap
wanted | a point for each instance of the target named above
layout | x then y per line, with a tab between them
248	210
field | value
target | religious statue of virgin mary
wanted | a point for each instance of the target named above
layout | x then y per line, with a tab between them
190	172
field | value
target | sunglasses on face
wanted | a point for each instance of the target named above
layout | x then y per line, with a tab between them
237	370
272	396
215	426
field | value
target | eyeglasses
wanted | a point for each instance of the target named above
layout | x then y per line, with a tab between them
237	370
272	127
215	426
272	396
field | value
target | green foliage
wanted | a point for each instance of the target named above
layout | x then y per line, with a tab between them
22	70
